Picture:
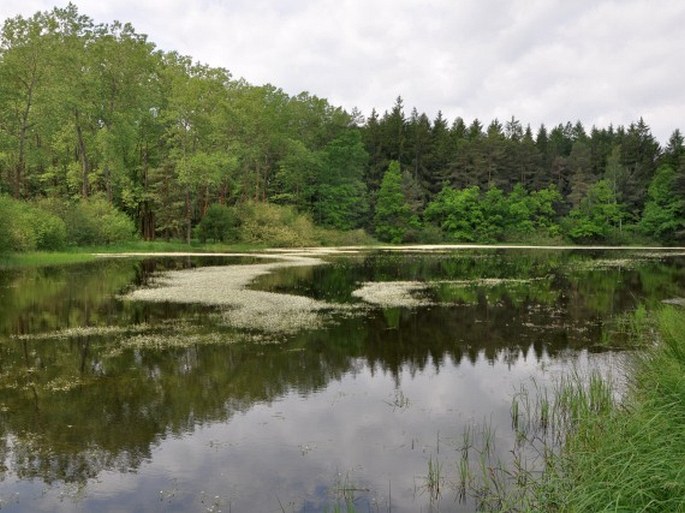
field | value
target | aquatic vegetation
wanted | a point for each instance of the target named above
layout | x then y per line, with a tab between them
632	329
83	331
392	293
411	294
434	478
225	286
609	263
587	445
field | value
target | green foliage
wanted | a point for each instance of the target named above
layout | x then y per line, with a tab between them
218	224
93	109
27	227
597	215
342	198
50	230
664	214
393	217
274	225
329	237
92	222
458	213
532	215
468	215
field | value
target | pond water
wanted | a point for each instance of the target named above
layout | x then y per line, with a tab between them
114	400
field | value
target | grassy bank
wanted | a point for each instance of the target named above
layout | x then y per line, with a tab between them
591	452
87	253
599	454
629	458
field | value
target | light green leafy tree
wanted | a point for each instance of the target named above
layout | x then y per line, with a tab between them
458	213
664	214
597	215
393	218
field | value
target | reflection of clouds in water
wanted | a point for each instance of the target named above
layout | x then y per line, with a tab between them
350	430
298	449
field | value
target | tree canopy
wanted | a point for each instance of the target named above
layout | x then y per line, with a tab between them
96	111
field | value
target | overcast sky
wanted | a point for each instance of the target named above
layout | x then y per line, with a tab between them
542	61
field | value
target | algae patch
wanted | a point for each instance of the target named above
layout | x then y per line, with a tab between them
411	294
393	293
226	287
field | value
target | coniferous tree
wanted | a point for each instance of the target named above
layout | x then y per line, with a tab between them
394	132
440	154
675	149
378	161
342	197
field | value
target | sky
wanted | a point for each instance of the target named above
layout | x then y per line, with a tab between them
542	61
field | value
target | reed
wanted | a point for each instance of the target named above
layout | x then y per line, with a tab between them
592	453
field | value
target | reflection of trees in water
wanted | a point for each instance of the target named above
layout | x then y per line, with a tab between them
49	298
470	333
126	404
73	408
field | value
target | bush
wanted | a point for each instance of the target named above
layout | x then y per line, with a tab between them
50	230
430	234
274	225
93	221
218	224
27	227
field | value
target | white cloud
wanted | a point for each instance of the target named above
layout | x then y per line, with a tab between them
539	60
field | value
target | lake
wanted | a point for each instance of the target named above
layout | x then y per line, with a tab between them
293	381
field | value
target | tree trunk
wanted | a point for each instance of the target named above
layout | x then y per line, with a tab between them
19	170
108	182
188	216
85	164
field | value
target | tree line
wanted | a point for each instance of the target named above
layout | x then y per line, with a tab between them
93	117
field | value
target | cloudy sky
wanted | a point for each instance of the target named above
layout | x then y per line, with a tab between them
542	61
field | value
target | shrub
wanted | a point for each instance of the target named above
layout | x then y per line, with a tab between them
27	227
50	231
218	224
274	225
430	234
92	221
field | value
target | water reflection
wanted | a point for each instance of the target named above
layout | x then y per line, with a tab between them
357	407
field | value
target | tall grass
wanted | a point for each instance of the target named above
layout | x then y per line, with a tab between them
589	452
632	457
632	329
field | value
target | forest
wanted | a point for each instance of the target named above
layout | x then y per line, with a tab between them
106	138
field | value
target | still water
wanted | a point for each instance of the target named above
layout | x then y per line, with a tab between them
113	404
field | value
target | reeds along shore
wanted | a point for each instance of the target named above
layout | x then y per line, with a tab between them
590	452
630	457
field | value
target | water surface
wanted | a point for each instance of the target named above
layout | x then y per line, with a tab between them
108	404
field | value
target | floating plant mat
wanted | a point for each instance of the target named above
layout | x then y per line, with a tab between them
226	287
439	292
